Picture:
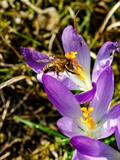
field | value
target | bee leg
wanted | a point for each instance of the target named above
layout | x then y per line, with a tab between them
57	72
68	70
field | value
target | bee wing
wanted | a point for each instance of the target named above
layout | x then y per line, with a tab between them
44	60
51	59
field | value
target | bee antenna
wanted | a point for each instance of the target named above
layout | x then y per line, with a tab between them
75	26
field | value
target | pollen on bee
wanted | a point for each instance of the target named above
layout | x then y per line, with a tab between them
77	68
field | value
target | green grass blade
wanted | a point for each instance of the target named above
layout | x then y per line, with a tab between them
40	127
24	36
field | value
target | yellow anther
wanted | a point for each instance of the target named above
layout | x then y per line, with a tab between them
88	120
78	69
90	109
84	109
71	55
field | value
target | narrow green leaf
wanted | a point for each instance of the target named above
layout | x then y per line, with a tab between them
24	36
40	127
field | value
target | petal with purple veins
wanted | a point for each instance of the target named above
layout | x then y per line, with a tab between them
97	149
104	58
69	127
73	42
62	78
114	112
61	97
103	95
33	57
111	123
78	156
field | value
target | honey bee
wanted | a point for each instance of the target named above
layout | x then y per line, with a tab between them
60	64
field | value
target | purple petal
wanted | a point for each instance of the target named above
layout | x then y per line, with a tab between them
62	78
95	148
108	128
117	133
114	112
110	125
111	121
78	156
86	96
68	83
61	97
103	95
39	77
69	128
74	42
111	117
104	58
106	50
32	57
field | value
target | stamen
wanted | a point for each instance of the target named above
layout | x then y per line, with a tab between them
78	69
71	55
88	120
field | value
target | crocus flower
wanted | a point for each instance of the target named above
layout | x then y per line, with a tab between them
96	121
76	50
90	149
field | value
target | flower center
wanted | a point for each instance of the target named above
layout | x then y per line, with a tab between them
77	68
88	120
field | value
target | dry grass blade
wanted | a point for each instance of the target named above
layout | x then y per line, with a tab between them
36	9
113	25
5	156
5	112
12	80
102	27
110	13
